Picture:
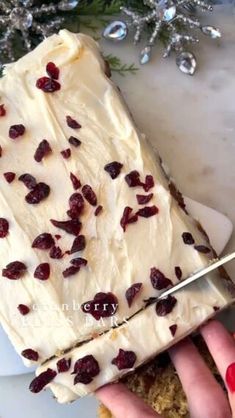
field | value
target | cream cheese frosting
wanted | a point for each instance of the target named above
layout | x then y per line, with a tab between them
116	259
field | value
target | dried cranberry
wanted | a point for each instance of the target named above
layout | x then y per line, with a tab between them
78	244
14	270
79	262
149	183
102	306
0	151
75	181
52	70
133	179
98	210
173	329
132	292
124	359
56	252
188	238
66	153
2	110
126	218
216	308
113	169
202	249
43	241
42	271
89	195
165	306
9	176
23	309
42	380
148	211
70	271
72	123
63	365
30	354
16	130
4	227
48	85
74	141
143	200
28	180
40	192
42	150
82	378
76	203
73	226
158	279
178	272
86	368
58	236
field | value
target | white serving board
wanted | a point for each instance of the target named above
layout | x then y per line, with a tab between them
218	227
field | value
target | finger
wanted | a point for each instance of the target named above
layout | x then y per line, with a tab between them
123	403
205	396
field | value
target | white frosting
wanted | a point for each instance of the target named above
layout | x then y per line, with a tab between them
116	259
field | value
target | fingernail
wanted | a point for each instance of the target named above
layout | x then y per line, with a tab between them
230	377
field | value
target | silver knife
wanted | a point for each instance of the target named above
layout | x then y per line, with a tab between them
199	274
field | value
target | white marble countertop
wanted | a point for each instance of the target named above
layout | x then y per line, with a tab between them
191	120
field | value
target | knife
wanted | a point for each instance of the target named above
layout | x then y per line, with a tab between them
192	278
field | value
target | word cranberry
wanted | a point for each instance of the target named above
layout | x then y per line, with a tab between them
23	309
148	211
113	169
158	279
52	70
16	130
75	181
42	380
14	270
48	85
78	244
72	123
30	354
4	227
142	199
63	365
42	271
73	226
28	180
66	153
124	359
74	141
89	195
165	306
102	306
43	241
9	176
188	238
42	150
132	292
40	192
55	252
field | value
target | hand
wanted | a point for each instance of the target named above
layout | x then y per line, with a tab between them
206	399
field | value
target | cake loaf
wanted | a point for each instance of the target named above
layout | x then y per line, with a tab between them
90	227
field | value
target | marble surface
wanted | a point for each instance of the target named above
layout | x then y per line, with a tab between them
191	122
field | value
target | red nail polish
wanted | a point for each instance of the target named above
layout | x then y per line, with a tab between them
230	377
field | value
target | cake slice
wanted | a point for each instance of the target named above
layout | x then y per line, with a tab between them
90	225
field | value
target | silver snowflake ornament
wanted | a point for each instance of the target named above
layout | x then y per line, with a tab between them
168	19
24	18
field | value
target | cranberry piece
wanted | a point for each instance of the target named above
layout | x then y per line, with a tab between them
40	192
66	153
55	252
126	218
188	238
70	271
23	309
58	236
75	181
216	308
86	368
102	306
133	179
113	169
2	110
43	241
178	272
52	70
74	141
30	354
158	279
98	210
78	244
132	292
143	200
149	183
124	359
72	123
173	329
16	130
42	150
42	271
9	176
89	195
42	380
63	365
0	151
28	180
148	211
76	203
79	262
73	226
14	270
48	85
202	249
165	306
4	227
